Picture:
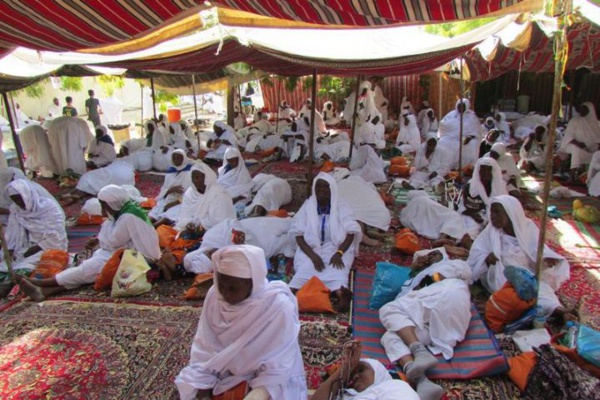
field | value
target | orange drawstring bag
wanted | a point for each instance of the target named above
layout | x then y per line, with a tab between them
88	219
314	297
402	171
407	242
505	306
51	263
327	166
199	289
166	235
398	160
148	204
104	279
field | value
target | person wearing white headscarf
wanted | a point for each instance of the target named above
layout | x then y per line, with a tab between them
432	164
409	138
297	139
371	132
511	239
163	140
285	111
532	154
582	137
118	173
510	173
449	133
271	191
430	125
366	104
36	146
362	379
69	138
35	224
257	141
246	334
234	176
205	202
271	234
177	181
221	139
329	115
422	114
367	164
502	126
306	107
328	237
177	137
431	313
126	227
101	150
406	105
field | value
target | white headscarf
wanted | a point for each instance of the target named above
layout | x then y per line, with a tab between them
383	387
450	124
236	181
476	186
113	195
7	175
409	133
584	129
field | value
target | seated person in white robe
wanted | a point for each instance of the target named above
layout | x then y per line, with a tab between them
328	237
271	234
222	138
422	114
262	124
234	176
510	173
367	164
35	224
248	331
593	178
336	151
177	137
102	149
161	156
432	164
532	155
296	139
126	227
409	138
329	114
140	160
491	138
582	138
511	239
271	192
503	127
486	183
371	132
239	121
286	113
431	313
117	173
362	379
37	148
69	138
177	181
258	141
449	133
430	125
369	209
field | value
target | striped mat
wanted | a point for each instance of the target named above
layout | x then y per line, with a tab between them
401	196
78	235
477	356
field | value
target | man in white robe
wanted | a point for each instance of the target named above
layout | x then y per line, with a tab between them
582	138
503	126
69	138
510	173
430	125
54	109
422	115
449	133
222	138
409	137
593	178
371	132
37	148
432	164
286	112
532	155
367	164
101	151
431	313
127	226
271	192
247	333
329	114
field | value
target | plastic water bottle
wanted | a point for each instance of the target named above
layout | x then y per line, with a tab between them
570	339
540	318
281	265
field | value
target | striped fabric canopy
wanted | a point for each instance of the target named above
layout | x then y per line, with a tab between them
74	25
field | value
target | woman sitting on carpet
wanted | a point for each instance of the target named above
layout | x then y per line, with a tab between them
35	224
431	312
511	239
328	237
365	379
234	176
102	150
248	333
127	227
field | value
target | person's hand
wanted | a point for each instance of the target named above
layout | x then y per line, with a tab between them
477	217
32	250
11	253
491	259
336	261
318	263
467	140
550	262
432	175
164	149
352	354
175	189
93	242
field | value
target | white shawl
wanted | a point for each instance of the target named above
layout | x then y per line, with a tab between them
175	176
383	387
236	181
439	161
409	133
583	129
476	186
450	124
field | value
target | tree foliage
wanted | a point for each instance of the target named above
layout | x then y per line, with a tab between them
34	91
71	84
451	29
110	83
164	99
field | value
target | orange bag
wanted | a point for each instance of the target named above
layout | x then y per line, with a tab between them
398	160
179	248
452	175
402	171
199	289
520	367
327	166
148	204
87	219
314	297
407	242
104	279
388	199
51	263
504	307
281	213
574	356
267	153
238	392
166	235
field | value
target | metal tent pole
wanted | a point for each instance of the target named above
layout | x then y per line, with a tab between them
153	97
15	137
461	134
311	143
354	117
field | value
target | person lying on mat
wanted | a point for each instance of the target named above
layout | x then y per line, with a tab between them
328	237
430	314
35	224
127	227
248	332
362	379
511	239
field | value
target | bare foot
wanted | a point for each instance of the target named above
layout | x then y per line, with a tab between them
35	292
406	185
367	241
376	234
442	242
456	251
344	296
5	288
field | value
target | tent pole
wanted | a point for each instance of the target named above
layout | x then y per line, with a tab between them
15	137
278	103
571	95
441	81
560	11
460	136
353	127
311	143
195	114
230	102
153	97
142	107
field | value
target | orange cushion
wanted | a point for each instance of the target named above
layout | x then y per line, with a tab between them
407	242
574	356
51	263
166	235
281	213
402	171
520	367
198	289
398	160
267	153
87	219
504	307
328	166
148	204
238	392
105	278
314	297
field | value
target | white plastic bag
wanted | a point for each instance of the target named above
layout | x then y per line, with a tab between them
526	340
130	279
